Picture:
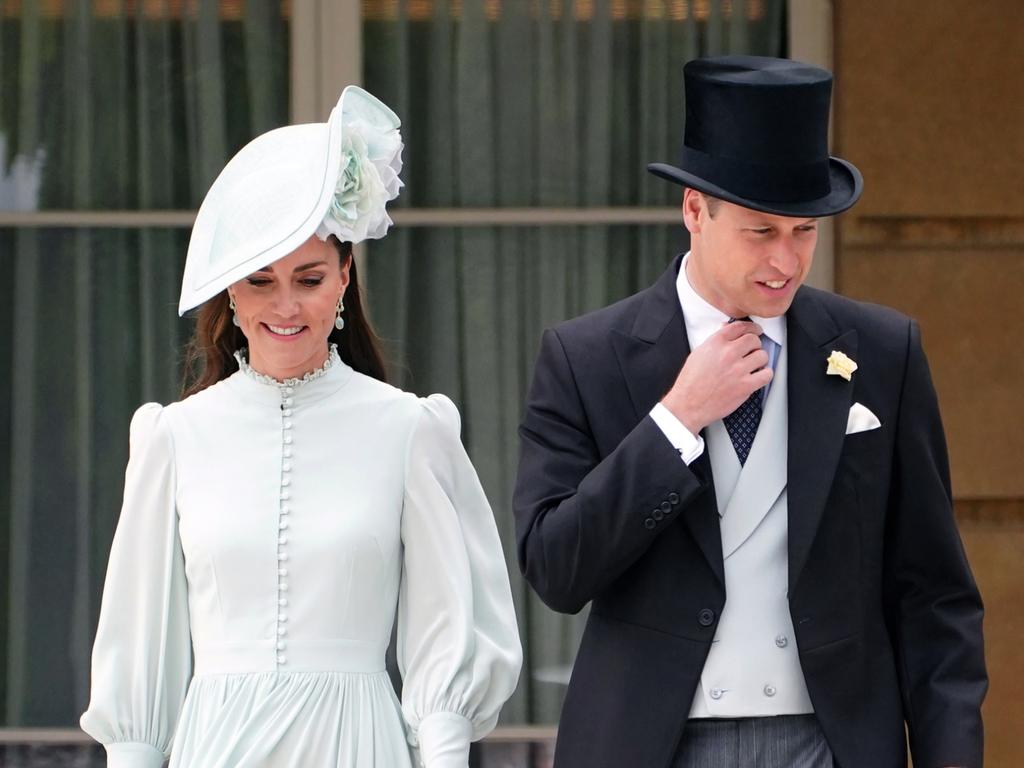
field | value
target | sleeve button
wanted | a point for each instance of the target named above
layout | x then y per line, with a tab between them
673	498
666	507
649	523
657	514
706	617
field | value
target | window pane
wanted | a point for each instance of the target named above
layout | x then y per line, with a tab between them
133	105
91	331
463	310
511	103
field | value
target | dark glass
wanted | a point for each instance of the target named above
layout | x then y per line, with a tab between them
512	103
133	109
91	331
462	311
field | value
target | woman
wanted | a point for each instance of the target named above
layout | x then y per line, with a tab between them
277	517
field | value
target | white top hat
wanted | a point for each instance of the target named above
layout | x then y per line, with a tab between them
293	182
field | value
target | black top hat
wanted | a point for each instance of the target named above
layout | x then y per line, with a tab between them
757	135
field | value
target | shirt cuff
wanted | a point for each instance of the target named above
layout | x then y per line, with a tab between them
690	446
444	740
133	754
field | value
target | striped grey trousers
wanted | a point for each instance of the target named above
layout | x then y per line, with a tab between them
788	741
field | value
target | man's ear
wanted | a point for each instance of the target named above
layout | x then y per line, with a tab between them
693	204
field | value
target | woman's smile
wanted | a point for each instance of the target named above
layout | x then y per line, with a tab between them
284	332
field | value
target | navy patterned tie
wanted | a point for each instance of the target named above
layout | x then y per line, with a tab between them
742	423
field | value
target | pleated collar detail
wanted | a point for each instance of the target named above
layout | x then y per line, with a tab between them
312	386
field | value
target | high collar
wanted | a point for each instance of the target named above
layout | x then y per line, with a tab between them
703	319
317	384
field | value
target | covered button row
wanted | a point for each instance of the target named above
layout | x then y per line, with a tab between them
282	540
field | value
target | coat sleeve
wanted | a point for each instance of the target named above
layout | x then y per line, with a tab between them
583	519
458	644
935	604
141	662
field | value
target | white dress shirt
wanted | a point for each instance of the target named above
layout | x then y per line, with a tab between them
702	320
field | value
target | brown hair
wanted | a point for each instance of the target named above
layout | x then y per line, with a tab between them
210	354
712	202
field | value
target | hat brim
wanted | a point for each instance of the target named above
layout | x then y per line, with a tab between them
220	250
270	198
846	187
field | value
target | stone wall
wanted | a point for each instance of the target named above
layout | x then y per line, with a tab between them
930	106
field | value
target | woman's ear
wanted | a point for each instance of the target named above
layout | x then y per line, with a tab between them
345	270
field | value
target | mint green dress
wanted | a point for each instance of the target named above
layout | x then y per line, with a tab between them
276	532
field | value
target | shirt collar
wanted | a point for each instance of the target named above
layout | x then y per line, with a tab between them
702	319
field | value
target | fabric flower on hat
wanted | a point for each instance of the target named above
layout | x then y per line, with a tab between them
371	160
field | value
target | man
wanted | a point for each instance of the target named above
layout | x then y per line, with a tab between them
748	480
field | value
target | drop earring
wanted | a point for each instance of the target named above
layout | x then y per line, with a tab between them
234	314
339	321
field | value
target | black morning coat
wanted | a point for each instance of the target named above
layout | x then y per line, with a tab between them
886	612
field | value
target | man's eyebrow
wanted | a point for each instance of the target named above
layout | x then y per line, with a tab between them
765	224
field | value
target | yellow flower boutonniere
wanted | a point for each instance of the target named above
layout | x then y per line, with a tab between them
840	365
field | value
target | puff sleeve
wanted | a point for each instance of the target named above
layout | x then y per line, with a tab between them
141	661
458	644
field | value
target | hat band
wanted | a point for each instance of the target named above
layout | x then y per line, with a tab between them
789	183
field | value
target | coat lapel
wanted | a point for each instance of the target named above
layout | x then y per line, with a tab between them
650	357
652	353
818	409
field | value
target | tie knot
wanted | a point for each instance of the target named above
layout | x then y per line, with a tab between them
746	319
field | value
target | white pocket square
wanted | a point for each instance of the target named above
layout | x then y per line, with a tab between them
861	419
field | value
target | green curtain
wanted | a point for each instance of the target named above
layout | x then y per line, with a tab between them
103	106
552	103
128	106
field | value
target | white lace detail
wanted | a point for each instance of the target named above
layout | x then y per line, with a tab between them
242	356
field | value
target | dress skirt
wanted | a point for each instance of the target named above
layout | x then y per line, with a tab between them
291	720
